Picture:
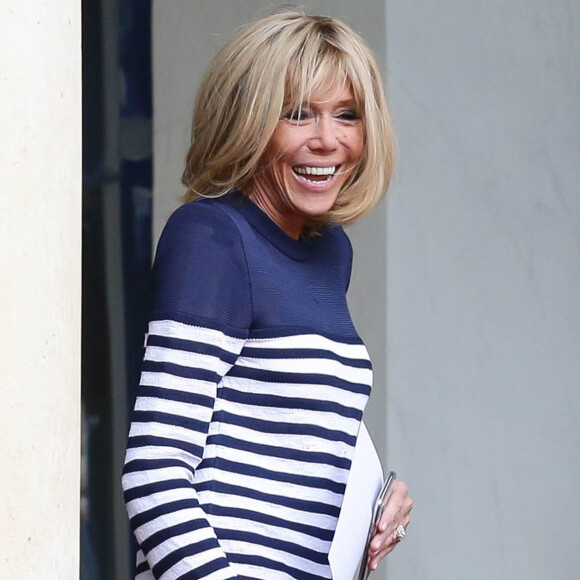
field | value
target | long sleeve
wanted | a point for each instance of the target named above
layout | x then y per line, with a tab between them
200	319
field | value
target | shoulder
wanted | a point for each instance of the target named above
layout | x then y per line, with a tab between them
199	218
336	244
339	251
200	266
341	240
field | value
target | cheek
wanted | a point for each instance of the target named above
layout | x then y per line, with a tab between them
277	172
354	144
280	152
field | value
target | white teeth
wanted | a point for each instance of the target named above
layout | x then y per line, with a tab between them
315	170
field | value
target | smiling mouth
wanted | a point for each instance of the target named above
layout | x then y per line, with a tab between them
315	174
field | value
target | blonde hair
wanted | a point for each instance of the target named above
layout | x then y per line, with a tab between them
272	64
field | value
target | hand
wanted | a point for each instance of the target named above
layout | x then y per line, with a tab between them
397	511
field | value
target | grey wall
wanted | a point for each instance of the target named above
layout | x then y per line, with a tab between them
483	295
480	240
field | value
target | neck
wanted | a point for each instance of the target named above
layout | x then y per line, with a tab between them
290	222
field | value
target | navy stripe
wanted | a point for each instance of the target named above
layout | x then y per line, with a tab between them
303	353
263	518
279	402
170	419
175	395
205	570
260	561
274	543
136	441
283	428
191	346
152	366
191	550
245	469
136	465
281	452
143	567
313	507
298	378
297	331
163	509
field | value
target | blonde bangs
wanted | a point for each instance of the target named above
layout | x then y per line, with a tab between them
316	66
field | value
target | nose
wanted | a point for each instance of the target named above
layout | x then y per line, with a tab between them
325	134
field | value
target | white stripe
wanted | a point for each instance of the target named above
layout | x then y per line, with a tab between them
173	432
173	329
177	383
270	531
285	513
279	488
309	366
279	464
260	573
142	504
147	476
221	574
148	452
288	441
311	341
325	419
314	391
185	358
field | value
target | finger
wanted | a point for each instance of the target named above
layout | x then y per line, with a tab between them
402	516
399	493
378	541
375	560
382	540
389	538
386	548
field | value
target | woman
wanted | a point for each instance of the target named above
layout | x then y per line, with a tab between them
254	379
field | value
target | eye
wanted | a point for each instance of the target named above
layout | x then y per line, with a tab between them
298	115
349	115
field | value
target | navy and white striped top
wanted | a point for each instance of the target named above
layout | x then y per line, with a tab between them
253	387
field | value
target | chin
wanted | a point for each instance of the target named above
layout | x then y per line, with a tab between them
316	208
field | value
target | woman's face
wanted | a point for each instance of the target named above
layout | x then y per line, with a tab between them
310	156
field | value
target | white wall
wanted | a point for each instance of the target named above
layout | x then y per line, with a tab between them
483	287
40	258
